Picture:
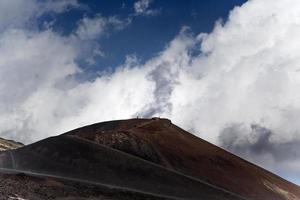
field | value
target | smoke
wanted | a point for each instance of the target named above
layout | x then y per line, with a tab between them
237	86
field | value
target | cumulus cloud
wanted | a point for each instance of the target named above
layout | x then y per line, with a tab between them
31	67
236	86
38	71
141	7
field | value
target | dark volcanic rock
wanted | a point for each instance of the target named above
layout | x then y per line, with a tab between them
136	159
72	157
21	186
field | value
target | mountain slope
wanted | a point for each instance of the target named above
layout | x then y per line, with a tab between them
146	158
72	157
21	186
161	142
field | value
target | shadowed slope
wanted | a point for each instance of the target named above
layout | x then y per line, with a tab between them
161	142
69	156
23	186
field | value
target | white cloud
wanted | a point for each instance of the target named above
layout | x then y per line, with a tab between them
94	28
39	89
31	64
90	30
9	9
247	73
20	13
141	7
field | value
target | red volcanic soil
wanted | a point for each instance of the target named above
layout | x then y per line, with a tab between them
161	142
134	159
81	158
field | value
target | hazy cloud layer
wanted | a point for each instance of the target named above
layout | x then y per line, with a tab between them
237	86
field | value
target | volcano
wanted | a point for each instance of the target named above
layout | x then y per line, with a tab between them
135	159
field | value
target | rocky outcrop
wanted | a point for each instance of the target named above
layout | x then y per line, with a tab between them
9	144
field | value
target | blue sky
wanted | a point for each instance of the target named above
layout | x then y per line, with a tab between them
146	35
225	70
